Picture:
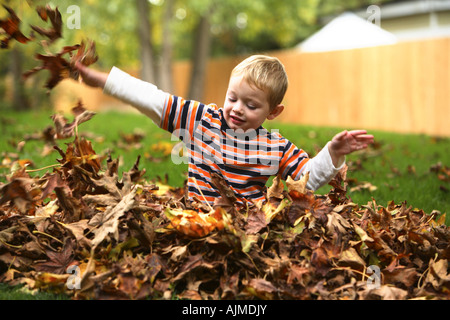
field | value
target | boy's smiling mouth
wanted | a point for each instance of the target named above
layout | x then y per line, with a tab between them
236	120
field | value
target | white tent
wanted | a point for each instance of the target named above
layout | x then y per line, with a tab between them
347	31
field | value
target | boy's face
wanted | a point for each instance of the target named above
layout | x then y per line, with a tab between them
247	107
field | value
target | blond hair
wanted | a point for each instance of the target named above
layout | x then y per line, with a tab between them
267	74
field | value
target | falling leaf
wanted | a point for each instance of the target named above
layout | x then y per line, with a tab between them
66	130
85	56
271	211
61	68
58	66
10	27
80	153
47	13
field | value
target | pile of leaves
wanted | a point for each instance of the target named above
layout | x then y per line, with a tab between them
84	231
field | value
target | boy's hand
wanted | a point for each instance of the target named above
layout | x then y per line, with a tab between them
347	142
91	77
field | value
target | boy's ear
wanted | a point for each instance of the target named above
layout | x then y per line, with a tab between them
275	112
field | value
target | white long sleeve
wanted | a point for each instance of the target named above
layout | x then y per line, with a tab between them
321	169
144	96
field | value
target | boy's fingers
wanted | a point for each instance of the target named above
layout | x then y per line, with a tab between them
365	137
357	132
340	135
361	135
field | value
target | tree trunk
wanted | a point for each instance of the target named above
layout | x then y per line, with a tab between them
145	39
165	73
20	101
202	48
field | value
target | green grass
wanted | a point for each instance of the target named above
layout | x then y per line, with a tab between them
21	293
399	166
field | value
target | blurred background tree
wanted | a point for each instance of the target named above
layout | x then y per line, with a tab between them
148	35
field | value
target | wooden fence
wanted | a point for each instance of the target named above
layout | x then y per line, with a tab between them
401	88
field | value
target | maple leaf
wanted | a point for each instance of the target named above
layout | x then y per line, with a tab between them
339	183
351	258
86	56
10	26
58	67
271	209
196	224
58	261
276	189
299	185
227	196
77	229
108	222
47	13
256	220
385	293
64	129
8	234
438	274
22	192
262	289
320	260
80	153
338	224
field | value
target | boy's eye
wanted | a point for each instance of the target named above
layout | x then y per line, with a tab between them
232	100
251	107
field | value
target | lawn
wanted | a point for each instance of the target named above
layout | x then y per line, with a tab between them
397	168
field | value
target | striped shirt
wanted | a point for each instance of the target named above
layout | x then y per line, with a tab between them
244	160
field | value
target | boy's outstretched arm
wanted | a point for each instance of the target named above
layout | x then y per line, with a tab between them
90	77
142	95
347	142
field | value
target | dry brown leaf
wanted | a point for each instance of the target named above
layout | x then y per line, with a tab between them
47	13
66	130
299	185
106	223
11	27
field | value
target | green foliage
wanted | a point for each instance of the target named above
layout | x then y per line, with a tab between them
238	26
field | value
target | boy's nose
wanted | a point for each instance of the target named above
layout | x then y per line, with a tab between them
237	108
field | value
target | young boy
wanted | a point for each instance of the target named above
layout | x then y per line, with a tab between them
231	141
